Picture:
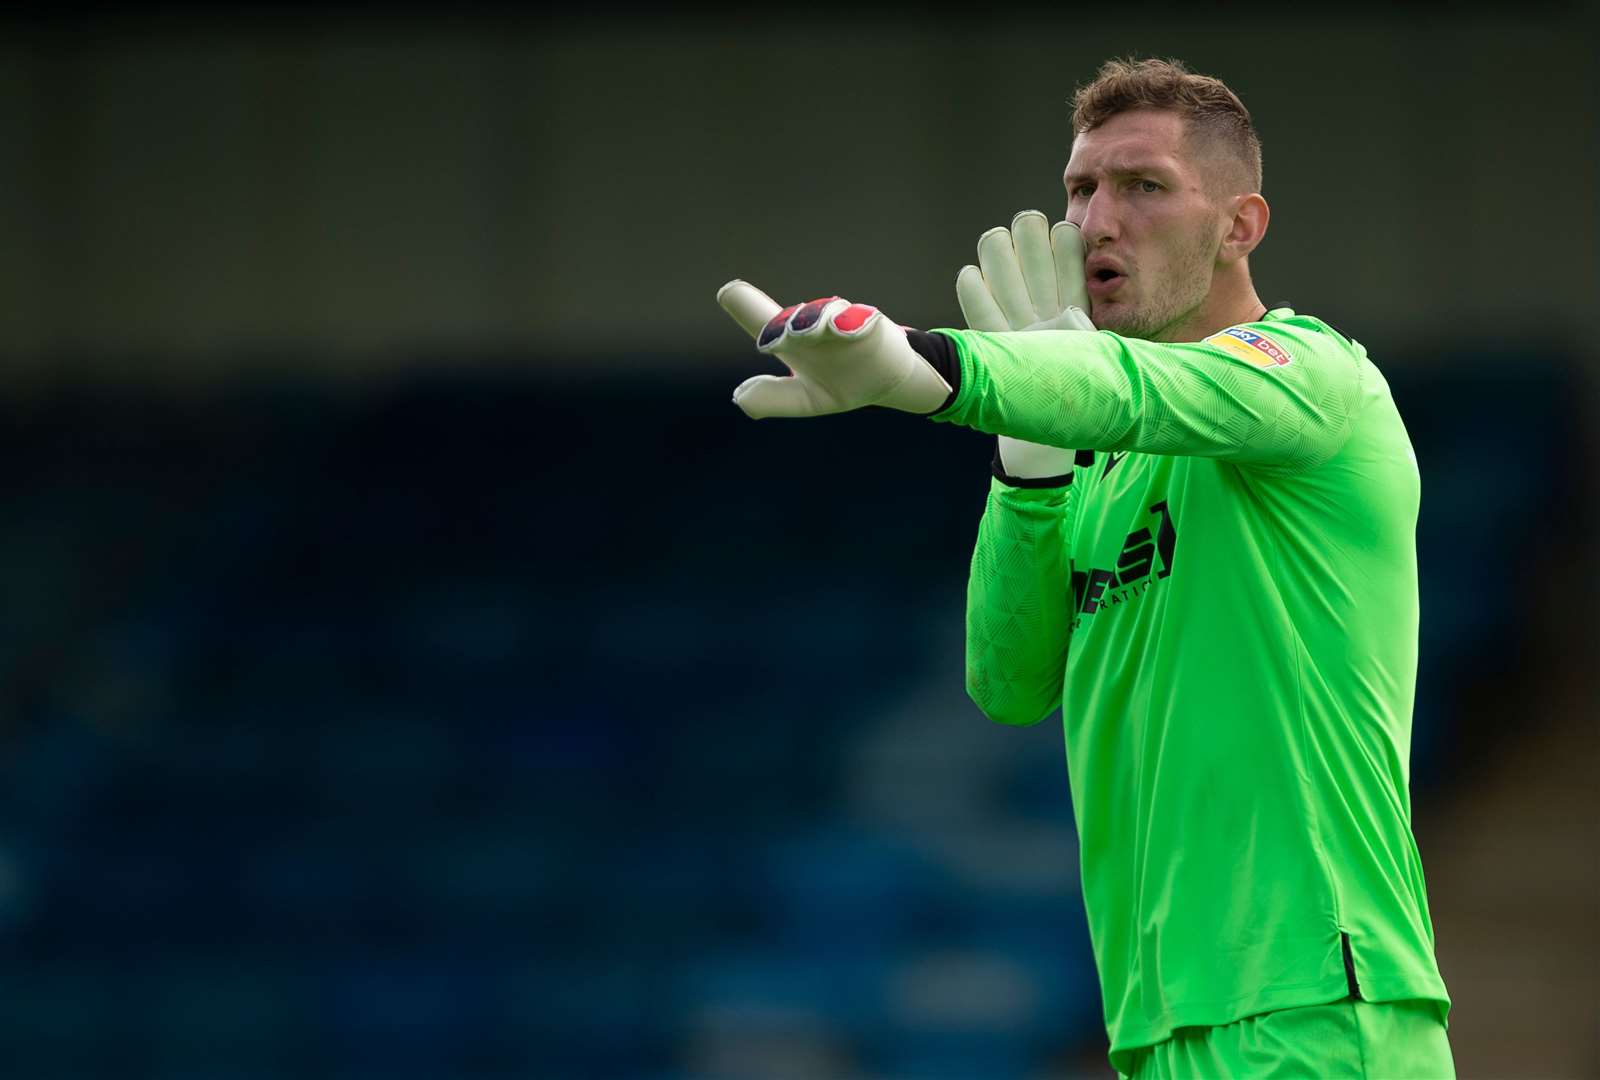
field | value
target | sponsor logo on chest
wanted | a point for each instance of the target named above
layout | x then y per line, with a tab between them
1146	558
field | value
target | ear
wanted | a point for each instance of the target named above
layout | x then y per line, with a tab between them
1248	228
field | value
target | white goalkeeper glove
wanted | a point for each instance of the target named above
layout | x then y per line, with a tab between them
1028	277
844	356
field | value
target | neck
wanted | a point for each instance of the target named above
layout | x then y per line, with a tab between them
1229	303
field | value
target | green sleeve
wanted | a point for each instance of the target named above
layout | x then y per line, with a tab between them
1101	391
1019	606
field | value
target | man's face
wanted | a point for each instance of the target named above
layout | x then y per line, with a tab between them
1150	230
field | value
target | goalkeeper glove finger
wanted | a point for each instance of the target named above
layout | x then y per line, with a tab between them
1028	277
842	356
1017	270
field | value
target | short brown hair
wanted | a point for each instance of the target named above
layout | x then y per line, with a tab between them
1206	104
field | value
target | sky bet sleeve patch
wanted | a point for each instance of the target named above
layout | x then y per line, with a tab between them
1251	346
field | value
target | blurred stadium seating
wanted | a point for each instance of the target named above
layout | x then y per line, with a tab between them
497	726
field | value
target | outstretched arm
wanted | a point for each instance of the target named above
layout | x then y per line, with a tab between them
1272	394
1275	395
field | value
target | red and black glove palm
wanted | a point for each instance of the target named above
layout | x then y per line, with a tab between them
843	356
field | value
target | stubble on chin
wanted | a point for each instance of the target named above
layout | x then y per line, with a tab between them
1171	302
1129	322
1138	320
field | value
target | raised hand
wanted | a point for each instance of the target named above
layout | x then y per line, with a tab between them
1028	277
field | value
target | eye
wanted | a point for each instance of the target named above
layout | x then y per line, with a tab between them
1082	191
1149	187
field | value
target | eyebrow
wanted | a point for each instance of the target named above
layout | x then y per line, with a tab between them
1122	168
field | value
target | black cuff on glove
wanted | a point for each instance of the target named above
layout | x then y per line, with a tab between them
998	469
940	353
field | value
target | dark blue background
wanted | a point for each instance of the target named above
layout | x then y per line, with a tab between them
501	726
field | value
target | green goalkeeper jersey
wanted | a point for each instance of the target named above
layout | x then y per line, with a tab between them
1223	602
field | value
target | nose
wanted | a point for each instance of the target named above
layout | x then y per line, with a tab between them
1097	218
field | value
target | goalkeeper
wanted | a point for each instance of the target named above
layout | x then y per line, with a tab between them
1199	543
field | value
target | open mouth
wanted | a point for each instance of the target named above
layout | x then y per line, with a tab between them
1104	281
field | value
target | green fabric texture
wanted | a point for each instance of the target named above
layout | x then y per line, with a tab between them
1099	391
1224	605
1345	1040
1018	620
